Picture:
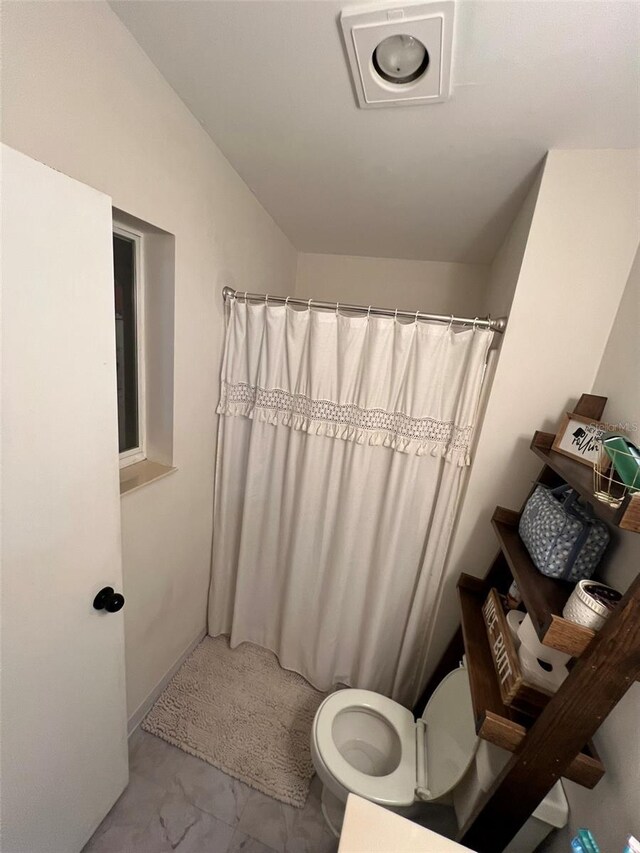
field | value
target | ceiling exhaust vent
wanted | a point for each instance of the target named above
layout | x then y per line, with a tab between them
400	55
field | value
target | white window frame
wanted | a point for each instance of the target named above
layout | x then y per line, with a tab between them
137	454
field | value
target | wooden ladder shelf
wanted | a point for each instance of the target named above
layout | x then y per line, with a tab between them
556	743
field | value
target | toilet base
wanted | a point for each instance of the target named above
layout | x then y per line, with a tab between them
333	810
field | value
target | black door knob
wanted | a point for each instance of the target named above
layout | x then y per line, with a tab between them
108	600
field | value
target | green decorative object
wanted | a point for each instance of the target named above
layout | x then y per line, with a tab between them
625	458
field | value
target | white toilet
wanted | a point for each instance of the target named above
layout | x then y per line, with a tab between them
366	744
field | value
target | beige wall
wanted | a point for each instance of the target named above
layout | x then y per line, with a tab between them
505	269
501	287
431	286
612	810
574	269
81	96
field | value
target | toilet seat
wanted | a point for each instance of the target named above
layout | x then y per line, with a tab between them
394	789
432	754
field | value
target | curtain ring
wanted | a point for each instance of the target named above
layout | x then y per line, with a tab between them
286	301
309	304
245	297
395	316
337	308
415	319
369	312
450	324
475	321
266	299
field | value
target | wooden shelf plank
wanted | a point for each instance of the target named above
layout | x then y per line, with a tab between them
543	597
586	769
580	478
494	721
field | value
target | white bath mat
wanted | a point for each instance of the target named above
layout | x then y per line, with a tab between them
240	711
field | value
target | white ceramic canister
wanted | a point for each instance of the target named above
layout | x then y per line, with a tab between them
590	604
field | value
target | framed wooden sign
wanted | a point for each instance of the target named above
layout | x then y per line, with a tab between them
504	655
579	438
514	689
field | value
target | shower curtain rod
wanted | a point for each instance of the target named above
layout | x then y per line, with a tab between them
498	324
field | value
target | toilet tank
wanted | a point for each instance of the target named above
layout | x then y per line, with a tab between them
552	813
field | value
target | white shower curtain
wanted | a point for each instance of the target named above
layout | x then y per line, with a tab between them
341	453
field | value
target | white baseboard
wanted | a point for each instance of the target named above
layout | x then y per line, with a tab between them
145	706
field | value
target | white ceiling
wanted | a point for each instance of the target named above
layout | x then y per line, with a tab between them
269	82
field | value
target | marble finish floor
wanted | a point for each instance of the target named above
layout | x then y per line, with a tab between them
175	801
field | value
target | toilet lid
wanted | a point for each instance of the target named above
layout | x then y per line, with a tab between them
450	737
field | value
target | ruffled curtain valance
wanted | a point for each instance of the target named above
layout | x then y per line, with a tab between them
373	380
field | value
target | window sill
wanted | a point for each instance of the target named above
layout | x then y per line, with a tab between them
133	477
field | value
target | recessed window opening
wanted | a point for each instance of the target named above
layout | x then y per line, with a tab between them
129	331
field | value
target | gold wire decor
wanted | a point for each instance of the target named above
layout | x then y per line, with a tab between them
616	471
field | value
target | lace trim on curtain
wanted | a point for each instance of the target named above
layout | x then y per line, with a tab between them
365	426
